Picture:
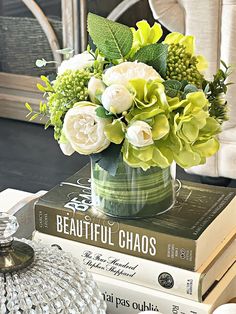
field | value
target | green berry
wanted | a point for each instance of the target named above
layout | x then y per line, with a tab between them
182	66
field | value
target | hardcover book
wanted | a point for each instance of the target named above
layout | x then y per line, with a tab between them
193	285
122	297
185	236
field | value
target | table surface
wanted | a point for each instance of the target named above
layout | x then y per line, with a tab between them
31	160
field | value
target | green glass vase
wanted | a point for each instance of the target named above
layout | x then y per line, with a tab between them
132	192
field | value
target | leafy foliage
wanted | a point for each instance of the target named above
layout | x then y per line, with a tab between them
175	88
215	92
154	55
103	113
114	40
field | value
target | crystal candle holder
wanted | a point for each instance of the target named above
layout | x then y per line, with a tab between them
38	279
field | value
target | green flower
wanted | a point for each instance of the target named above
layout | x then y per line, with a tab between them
145	35
150	100
192	135
144	157
182	64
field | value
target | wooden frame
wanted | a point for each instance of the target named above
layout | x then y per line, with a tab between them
16	89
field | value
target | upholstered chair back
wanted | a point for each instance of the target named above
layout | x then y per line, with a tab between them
213	22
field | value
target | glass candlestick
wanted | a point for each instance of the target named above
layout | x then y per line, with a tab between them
38	279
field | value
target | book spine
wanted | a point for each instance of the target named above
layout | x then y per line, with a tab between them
114	235
131	269
127	298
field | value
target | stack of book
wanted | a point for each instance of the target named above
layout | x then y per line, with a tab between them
180	262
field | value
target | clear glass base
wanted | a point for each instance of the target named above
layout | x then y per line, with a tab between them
132	193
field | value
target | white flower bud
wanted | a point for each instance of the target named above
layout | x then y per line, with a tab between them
139	134
95	86
116	98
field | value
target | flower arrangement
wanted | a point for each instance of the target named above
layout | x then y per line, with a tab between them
138	96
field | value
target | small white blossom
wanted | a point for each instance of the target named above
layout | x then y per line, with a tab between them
139	134
116	98
95	86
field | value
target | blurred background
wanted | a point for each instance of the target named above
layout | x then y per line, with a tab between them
30	159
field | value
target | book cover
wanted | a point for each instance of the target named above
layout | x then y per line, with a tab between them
158	276
122	297
179	237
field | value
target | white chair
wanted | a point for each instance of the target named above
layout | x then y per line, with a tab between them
213	22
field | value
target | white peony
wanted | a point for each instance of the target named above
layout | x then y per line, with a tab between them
77	62
84	130
95	86
66	148
116	98
139	134
126	71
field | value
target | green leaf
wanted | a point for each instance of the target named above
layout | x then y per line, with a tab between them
224	64
101	112
41	88
189	89
47	124
114	40
34	117
183	84
109	158
47	82
172	87
154	55
41	63
27	105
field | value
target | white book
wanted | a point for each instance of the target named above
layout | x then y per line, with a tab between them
169	279
125	298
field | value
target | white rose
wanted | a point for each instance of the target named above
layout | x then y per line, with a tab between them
77	62
84	130
66	148
139	134
116	98
95	86
126	71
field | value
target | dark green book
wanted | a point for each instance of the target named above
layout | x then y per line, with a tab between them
185	236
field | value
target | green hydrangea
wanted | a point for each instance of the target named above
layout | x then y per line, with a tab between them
182	130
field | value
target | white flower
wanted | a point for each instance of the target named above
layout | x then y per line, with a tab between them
77	62
84	130
95	86
126	71
116	98
66	148
139	134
